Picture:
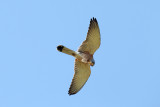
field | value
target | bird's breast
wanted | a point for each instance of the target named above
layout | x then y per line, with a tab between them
85	56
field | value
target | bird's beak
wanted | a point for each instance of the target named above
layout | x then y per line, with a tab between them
91	64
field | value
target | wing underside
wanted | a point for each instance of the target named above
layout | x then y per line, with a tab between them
81	75
92	42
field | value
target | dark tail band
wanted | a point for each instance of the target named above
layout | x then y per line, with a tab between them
60	48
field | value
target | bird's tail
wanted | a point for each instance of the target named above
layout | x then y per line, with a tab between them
65	50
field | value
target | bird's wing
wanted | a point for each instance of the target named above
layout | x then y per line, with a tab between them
92	42
81	74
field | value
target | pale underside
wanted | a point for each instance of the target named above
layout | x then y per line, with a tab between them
92	42
89	46
81	75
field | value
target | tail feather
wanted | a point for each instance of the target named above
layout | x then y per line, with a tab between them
66	50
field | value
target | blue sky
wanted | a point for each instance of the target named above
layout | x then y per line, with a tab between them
34	74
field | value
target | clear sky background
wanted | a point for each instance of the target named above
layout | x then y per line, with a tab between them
34	74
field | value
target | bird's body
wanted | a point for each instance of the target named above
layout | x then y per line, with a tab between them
83	57
86	57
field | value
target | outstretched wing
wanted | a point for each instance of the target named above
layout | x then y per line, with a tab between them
92	42
81	74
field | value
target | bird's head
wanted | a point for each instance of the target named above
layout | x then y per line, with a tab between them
92	62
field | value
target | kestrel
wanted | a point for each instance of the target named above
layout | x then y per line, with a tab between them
83	57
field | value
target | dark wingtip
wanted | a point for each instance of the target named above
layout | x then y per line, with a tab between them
71	93
93	19
60	48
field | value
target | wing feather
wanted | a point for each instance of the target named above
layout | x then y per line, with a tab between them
81	75
92	42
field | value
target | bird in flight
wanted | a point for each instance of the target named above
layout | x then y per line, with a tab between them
83	57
